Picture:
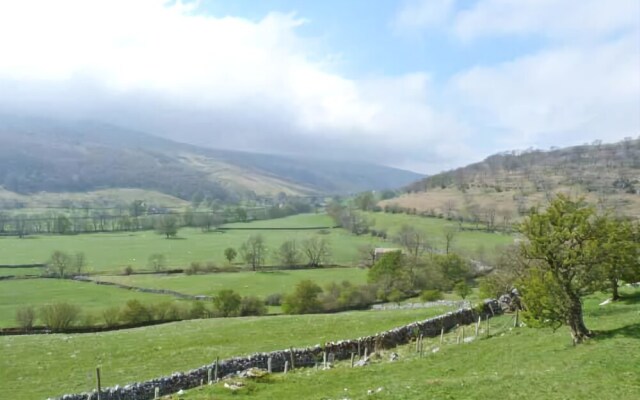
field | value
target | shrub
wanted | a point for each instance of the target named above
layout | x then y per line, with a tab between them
135	312
304	299
227	303
274	299
25	317
211	266
251	305
462	289
128	270
111	316
194	268
431	295
230	254
198	310
59	316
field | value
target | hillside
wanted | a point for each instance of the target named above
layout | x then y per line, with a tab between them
504	186
39	155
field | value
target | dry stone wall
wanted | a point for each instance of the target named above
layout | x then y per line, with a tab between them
341	350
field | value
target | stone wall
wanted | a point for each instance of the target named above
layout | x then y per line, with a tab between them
341	350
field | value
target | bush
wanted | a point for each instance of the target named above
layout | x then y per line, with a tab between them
128	270
59	316
274	299
111	316
252	305
198	310
227	303
25	317
135	312
431	295
462	289
304	299
194	268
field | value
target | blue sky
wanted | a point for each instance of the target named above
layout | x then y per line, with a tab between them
425	85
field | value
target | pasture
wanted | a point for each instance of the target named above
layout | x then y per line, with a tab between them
90	297
521	363
259	284
40	366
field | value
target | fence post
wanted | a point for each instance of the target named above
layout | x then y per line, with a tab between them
353	357
463	334
487	325
515	324
98	379
215	373
324	359
156	394
478	325
269	365
286	366
209	375
441	335
293	364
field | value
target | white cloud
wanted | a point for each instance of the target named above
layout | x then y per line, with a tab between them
416	15
560	96
566	19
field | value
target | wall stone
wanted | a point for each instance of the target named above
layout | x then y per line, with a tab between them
303	357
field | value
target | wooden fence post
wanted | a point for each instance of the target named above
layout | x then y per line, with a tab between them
98	379
269	365
286	366
478	325
293	364
353	357
215	371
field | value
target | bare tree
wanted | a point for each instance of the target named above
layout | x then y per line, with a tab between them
449	236
60	262
288	254
254	251
317	251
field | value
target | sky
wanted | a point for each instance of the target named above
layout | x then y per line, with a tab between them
425	85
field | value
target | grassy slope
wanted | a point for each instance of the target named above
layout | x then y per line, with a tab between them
260	284
92	298
520	364
33	367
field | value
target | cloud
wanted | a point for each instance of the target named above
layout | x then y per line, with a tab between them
219	81
417	15
564	19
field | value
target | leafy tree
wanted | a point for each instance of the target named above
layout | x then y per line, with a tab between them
621	244
431	295
316	250
454	268
79	262
167	225
462	289
230	254
304	299
227	303
198	310
241	214
564	250
111	316
288	253
365	201
389	273
25	317
254	251
59	316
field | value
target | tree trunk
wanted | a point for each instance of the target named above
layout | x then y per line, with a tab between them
579	331
614	289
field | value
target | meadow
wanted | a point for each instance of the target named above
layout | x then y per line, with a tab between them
90	297
112	252
522	363
40	366
259	284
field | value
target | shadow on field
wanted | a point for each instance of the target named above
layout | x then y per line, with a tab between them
631	298
630	331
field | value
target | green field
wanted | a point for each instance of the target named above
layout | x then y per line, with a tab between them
259	284
111	252
520	363
90	297
467	241
36	271
294	221
38	366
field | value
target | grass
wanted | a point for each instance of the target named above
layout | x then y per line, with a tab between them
434	228
294	221
111	252
91	298
37	366
518	363
259	284
35	271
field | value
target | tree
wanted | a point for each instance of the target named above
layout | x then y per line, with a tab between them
449	236
254	251
252	305
453	268
79	262
157	261
230	254
60	262
462	289
135	312
389	273
316	250
227	303
288	253
25	317
562	247
167	225
365	201
304	299
415	244
621	244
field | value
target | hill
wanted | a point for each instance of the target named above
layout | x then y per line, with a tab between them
505	186
42	155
